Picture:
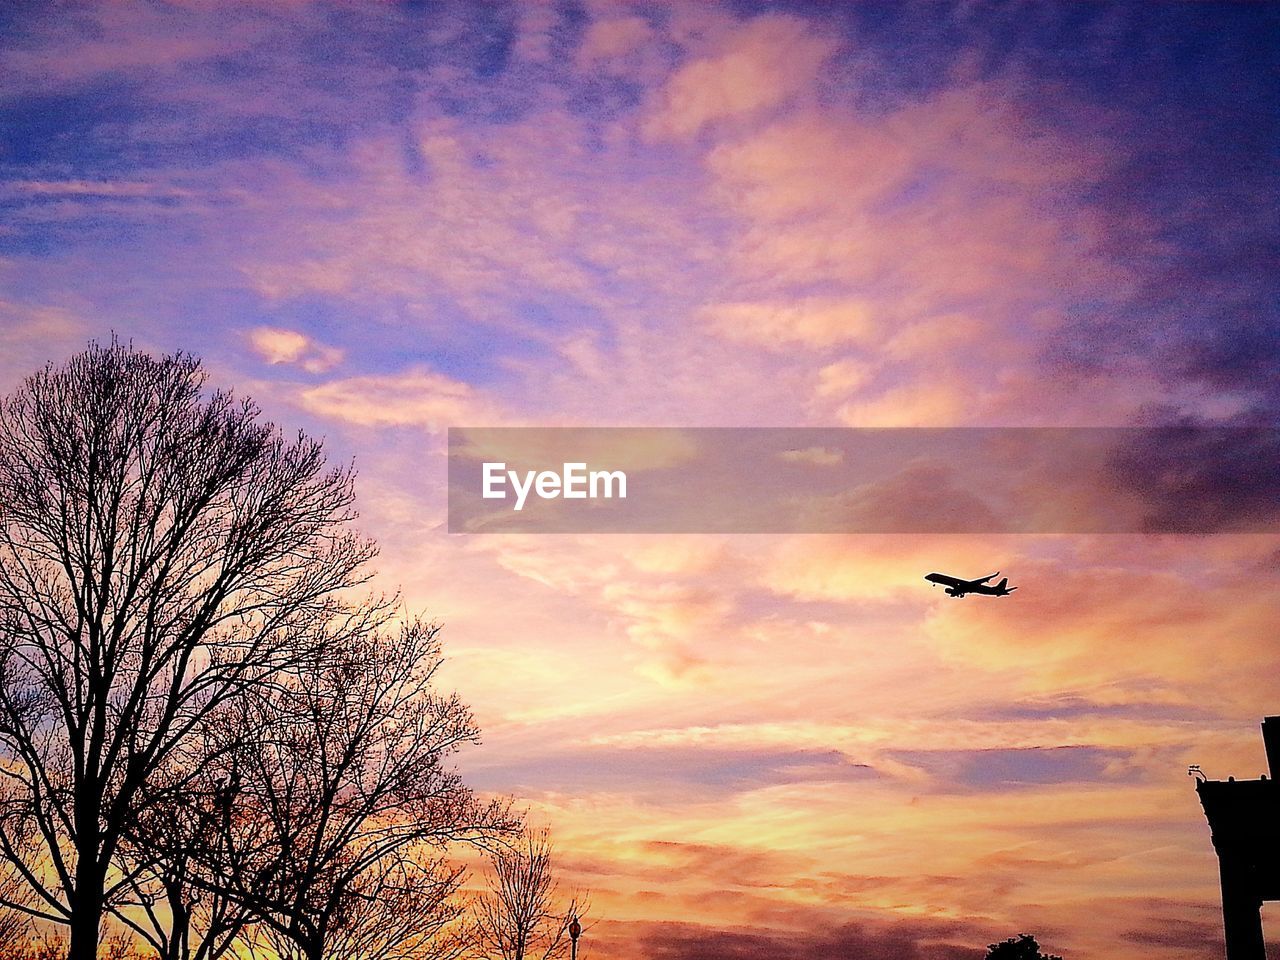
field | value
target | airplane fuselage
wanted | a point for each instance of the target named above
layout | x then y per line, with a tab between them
956	587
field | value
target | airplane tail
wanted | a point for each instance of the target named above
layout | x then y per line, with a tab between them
1003	584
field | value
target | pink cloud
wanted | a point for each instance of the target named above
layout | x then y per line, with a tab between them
757	66
34	334
418	398
118	37
277	346
609	41
814	322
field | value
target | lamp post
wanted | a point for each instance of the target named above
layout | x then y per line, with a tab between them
575	931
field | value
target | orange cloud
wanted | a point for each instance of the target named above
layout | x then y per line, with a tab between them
1086	625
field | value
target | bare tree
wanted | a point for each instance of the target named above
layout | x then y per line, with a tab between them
162	551
34	948
405	910
521	915
340	791
15	926
52	947
16	895
178	913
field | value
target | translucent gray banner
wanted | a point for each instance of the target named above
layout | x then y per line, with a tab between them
826	480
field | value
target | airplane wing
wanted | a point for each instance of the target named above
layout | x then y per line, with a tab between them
947	581
980	580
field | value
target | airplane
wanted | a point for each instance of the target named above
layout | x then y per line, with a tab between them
958	588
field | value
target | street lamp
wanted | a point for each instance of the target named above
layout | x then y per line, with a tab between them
575	931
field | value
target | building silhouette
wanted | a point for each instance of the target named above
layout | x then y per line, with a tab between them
1244	817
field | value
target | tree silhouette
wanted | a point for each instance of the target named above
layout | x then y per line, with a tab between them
16	894
162	552
172	902
337	801
404	910
14	924
520	916
1022	947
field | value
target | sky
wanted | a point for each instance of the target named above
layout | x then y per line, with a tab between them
381	220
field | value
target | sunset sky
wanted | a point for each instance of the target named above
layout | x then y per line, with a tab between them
382	220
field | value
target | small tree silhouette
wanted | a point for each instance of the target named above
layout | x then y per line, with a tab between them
1023	947
522	915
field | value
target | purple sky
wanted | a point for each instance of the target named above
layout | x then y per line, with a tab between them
381	220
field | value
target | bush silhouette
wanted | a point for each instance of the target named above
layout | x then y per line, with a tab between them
1022	947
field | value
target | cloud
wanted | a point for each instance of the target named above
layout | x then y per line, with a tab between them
948	234
418	398
671	619
812	322
1079	624
817	456
97	188
696	774
109	38
632	451
842	378
848	568
903	941
1173	932
815	165
32	334
1204	479
949	402
959	217
608	41
757	66
922	497
277	346
991	770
